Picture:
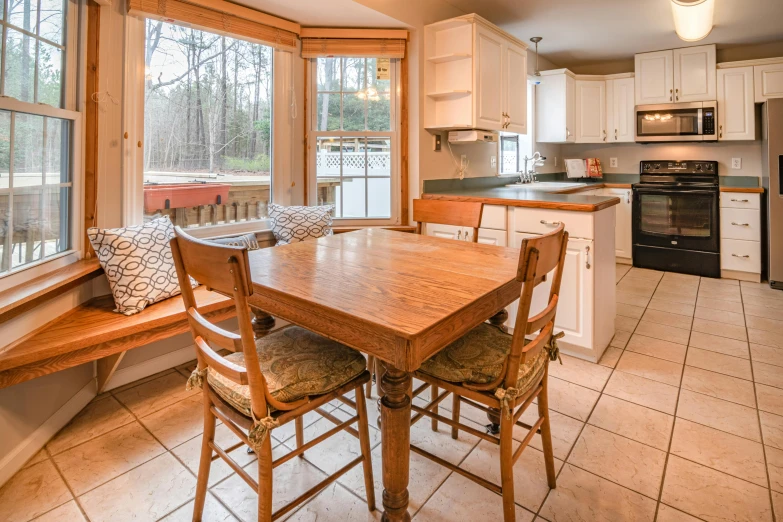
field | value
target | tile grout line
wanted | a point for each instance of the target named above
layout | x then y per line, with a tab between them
70	489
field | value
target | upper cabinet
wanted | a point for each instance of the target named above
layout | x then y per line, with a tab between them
556	107
475	77
768	80
620	110
679	75
736	116
591	111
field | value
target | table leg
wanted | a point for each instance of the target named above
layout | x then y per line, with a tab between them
499	320
395	443
262	322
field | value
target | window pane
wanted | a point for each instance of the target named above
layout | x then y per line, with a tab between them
24	14
329	74
327	158
379	113
51	26
19	66
379	197
50	62
27	226
28	151
56	161
509	154
353	74
379	74
353	197
353	157
207	125
379	157
5	149
353	113
56	220
327	115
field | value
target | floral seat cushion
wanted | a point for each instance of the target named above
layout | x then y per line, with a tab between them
478	356
295	363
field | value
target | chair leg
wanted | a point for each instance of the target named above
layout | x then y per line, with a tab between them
371	367
265	481
364	441
299	425
205	461
455	405
435	409
546	432
507	468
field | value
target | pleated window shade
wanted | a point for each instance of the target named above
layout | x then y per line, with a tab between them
354	47
214	21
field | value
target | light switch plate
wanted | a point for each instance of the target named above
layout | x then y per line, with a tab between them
493	162
613	162
736	163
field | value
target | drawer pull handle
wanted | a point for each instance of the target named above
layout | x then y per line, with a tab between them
587	257
459	235
737	255
741	200
740	224
553	223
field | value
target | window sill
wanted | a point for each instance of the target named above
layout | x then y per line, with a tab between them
23	297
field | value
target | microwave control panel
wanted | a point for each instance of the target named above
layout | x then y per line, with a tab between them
708	122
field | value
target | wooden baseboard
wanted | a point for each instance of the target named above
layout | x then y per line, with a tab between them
24	451
742	276
623	260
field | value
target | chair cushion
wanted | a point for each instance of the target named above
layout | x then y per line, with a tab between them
295	363
478	356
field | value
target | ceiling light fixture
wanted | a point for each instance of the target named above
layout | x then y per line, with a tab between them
693	18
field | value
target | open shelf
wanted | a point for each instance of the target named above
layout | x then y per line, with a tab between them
448	95
443	58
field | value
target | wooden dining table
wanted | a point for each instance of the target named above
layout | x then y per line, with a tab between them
398	296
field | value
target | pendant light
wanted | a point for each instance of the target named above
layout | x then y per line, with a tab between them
693	18
535	40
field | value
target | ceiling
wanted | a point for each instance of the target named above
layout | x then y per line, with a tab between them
579	32
314	13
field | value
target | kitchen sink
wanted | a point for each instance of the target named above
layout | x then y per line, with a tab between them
545	185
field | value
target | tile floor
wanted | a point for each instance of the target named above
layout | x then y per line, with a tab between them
682	420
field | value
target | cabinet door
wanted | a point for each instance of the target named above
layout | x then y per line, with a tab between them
488	58
694	74
768	81
591	112
444	231
551	120
515	88
620	110
736	109
654	82
488	236
623	242
570	106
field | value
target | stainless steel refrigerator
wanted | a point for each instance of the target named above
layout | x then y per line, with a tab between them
772	181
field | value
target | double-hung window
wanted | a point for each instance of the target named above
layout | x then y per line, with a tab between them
353	150
39	131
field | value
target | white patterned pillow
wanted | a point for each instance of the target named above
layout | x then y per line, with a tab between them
294	224
138	263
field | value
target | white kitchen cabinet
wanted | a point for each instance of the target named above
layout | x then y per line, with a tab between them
620	110
768	81
515	87
489	87
556	107
444	231
694	73
736	107
740	236
623	241
488	236
591	111
654	74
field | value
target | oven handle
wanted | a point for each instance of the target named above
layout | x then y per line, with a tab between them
674	191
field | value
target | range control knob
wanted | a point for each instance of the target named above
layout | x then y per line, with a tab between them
709	166
657	166
698	166
646	166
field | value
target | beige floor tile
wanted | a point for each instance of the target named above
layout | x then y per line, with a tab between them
97	418
288	430
582	496
635	286
770	398
190	454
156	394
719	304
724	345
683	279
712	495
775	468
777	503
735	318
620	339
571	399
650	368
610	357
664	332
767	374
645	273
671	307
719	414
530	483
763	302
634	312
148	492
766	354
669	319
677	288
764	337
35	459
457	499
644	392
762	323
624	461
720	328
565	430
69	512
177	423
335	504
722	293
31	492
657	348
630	298
772	429
665	295
741	458
148	378
719	363
760	290
713	282
96	462
669	514
214	511
718	385
581	372
630	420
627	324
767	312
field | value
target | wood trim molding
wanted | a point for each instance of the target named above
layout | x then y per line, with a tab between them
404	142
92	81
248	14
331	32
747	63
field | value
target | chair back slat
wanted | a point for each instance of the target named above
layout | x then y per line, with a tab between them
546	315
442	212
225	367
214	334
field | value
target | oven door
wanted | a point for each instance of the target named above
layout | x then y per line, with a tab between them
678	218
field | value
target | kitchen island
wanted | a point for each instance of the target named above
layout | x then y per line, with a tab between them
586	310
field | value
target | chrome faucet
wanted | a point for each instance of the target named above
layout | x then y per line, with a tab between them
529	176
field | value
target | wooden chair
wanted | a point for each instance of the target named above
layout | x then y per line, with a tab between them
492	370
442	212
252	395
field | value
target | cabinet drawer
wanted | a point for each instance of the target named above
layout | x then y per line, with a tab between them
740	200
743	256
740	223
488	236
494	216
542	221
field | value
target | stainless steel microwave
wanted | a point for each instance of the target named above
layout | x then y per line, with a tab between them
694	121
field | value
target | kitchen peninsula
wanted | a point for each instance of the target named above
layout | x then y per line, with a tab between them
586	309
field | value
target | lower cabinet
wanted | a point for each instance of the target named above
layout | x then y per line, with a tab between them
740	236
623	240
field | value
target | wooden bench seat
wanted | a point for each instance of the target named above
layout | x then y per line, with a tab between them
94	332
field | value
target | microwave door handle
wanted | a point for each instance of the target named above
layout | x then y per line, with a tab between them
700	122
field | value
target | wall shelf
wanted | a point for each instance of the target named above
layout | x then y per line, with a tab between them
450	95
443	58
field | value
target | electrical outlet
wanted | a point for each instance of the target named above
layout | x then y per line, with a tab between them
436	142
463	161
613	162
555	161
736	163
493	162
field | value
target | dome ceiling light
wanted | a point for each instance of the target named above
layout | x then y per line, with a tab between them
693	18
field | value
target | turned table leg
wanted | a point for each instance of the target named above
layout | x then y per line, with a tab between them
262	322
395	443
499	320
